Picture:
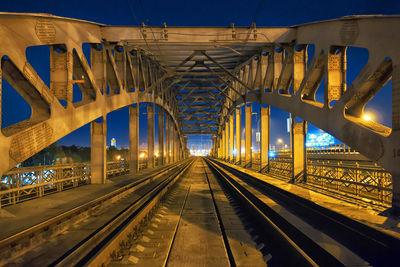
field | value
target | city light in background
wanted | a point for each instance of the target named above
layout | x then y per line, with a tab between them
200	145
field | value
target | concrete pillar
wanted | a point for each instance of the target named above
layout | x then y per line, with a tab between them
134	138
173	143
219	147
299	133
222	144
150	135
248	142
161	157
238	136
265	130
227	140
231	140
168	139
98	153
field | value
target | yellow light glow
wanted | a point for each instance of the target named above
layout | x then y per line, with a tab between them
141	155
156	154
367	117
280	141
118	157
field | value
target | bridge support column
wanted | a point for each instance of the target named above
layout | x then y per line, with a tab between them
299	133
227	139
222	144
231	140
150	136
161	157
238	136
173	143
98	153
134	138
265	130
248	142
168	138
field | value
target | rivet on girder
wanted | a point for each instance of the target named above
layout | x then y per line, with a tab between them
143	30
165	31
233	31
254	30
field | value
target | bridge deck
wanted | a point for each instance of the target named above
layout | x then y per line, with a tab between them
16	218
361	213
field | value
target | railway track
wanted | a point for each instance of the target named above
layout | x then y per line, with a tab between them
203	212
116	206
304	229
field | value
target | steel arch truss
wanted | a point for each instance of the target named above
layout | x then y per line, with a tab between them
200	75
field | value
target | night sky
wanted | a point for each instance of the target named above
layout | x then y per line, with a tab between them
194	13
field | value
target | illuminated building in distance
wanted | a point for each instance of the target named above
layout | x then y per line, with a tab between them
113	142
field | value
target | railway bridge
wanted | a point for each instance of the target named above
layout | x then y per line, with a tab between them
205	80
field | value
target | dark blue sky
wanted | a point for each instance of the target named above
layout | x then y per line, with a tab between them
196	13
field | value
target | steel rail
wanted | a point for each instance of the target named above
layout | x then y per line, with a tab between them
294	253
96	249
374	246
46	225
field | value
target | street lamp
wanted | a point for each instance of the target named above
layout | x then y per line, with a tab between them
280	141
367	117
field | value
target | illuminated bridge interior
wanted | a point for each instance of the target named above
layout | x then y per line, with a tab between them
205	176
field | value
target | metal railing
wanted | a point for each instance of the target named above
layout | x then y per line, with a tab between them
281	165
20	184
365	181
355	178
332	149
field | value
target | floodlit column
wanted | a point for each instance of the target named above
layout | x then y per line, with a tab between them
248	152
238	136
150	136
161	136
173	143
227	140
231	140
265	116
222	144
134	138
168	139
98	132
299	132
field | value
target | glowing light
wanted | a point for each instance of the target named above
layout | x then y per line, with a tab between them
156	154
320	139
279	141
367	117
271	154
141	155
118	157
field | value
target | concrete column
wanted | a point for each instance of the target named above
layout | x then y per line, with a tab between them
98	153
227	140
134	138
161	157
173	143
222	144
265	129
299	133
168	139
231	140
150	135
248	111
238	136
